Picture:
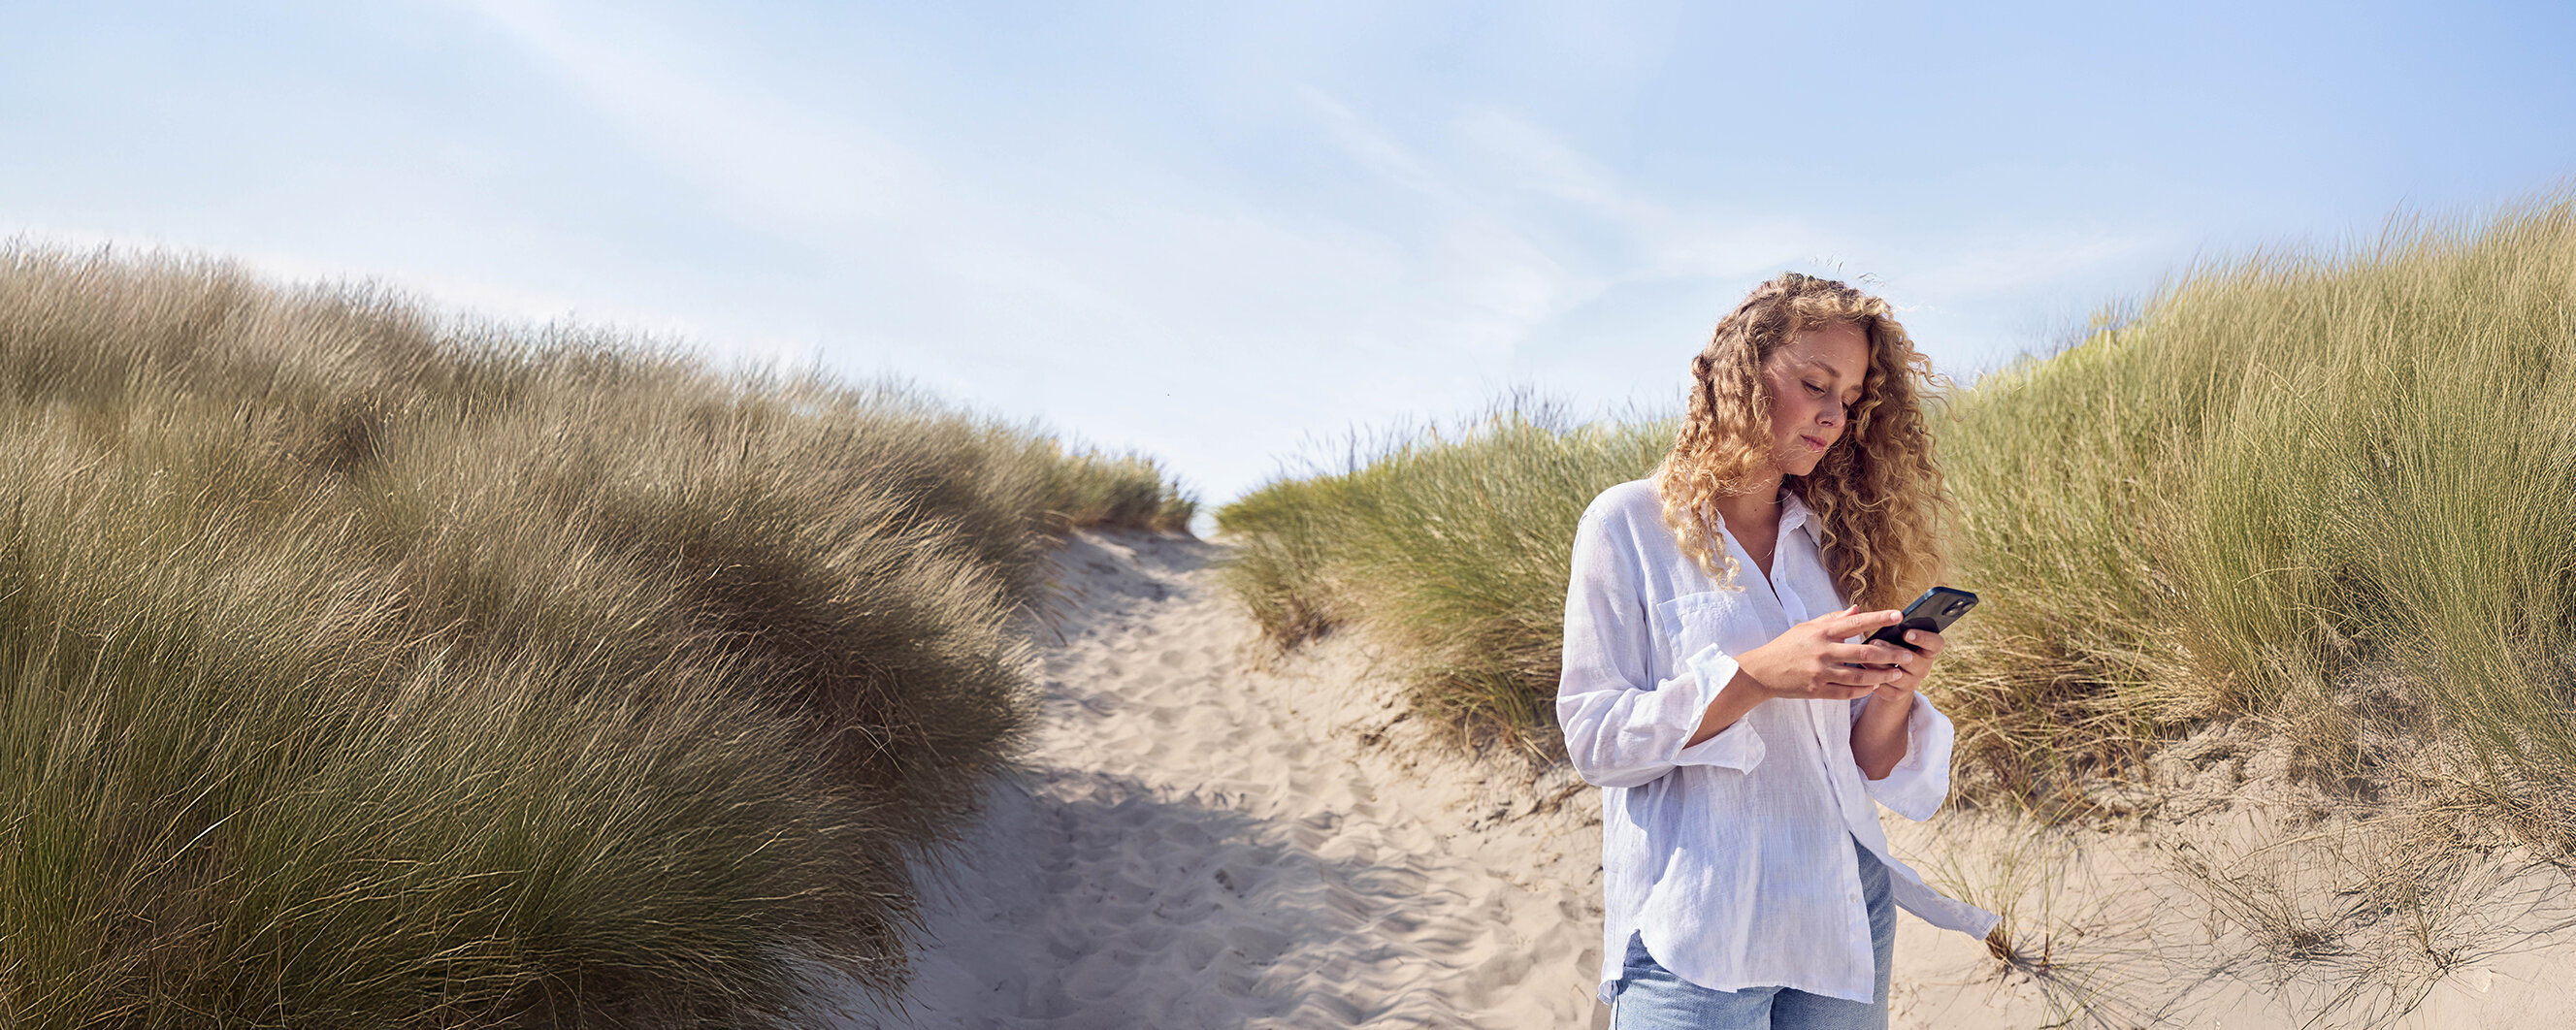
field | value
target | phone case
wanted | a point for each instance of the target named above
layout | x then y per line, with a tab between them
1934	611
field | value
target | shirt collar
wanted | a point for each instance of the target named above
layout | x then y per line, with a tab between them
1794	515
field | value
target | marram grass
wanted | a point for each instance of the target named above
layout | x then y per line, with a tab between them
2331	486
2335	488
360	668
1451	548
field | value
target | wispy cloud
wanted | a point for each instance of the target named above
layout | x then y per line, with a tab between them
2004	265
794	171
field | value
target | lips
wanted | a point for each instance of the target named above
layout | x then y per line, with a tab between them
1812	442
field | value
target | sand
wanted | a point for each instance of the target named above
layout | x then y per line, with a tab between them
1210	834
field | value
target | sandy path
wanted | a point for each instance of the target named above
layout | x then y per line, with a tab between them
1212	836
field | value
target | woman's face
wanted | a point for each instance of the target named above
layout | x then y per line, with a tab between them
1814	378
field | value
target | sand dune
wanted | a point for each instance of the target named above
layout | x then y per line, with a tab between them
1209	835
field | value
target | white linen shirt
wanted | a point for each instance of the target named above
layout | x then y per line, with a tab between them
1732	857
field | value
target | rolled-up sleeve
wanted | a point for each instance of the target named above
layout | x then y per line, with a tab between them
1736	747
1621	728
1921	780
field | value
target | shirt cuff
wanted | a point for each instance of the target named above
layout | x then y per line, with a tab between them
1921	780
1736	747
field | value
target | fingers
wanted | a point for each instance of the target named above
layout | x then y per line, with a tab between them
1864	678
1852	622
1917	663
1865	654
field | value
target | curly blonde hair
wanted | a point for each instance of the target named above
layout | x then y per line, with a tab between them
1876	494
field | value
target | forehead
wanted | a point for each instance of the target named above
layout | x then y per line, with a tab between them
1840	349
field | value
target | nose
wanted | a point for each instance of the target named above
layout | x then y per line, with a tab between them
1834	412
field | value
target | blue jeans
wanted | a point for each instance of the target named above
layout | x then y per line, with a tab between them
1650	997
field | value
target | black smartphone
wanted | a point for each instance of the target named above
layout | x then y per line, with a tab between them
1935	611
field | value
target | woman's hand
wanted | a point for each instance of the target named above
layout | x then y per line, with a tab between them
1811	660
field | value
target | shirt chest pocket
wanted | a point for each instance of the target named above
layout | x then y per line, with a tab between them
1726	618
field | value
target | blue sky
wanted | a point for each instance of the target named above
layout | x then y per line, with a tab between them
1221	234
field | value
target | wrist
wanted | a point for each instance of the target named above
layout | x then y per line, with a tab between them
1745	688
1889	706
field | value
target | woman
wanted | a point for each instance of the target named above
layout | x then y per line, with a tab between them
1709	690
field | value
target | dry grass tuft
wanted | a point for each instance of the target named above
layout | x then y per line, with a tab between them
2050	935
2356	921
